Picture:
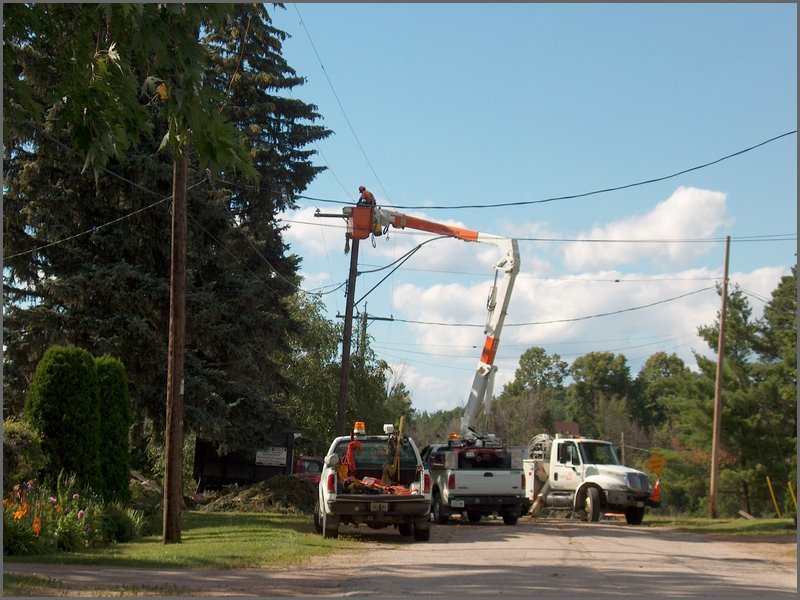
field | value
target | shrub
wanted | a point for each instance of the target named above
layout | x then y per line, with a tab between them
119	524
62	404
23	458
116	417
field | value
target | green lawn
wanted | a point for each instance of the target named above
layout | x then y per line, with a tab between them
214	541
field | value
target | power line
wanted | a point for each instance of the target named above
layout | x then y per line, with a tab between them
585	194
595	316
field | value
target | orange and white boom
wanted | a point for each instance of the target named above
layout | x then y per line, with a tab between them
365	220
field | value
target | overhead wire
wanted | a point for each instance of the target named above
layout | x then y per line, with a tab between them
569	320
339	102
591	193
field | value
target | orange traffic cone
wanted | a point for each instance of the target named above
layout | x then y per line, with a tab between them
655	496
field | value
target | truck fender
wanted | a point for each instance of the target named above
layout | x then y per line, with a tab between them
580	495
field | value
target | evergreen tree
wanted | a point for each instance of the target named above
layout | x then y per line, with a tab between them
106	286
63	405
115	421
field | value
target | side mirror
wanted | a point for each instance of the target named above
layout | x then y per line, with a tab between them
332	460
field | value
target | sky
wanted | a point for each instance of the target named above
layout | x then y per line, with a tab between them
437	107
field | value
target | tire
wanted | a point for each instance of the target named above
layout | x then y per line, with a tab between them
634	515
592	505
436	510
330	527
422	535
510	518
473	516
317	519
405	529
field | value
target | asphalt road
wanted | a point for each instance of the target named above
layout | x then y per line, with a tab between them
535	559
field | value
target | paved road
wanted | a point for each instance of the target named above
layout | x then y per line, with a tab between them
539	559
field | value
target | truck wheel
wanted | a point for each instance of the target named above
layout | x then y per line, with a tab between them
473	516
592	504
635	515
330	526
438	514
405	528
510	518
422	535
317	519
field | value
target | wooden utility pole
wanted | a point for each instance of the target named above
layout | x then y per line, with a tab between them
173	446
346	339
712	497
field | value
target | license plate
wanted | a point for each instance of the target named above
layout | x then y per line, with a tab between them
457	503
378	506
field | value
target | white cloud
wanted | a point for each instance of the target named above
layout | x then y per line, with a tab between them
690	213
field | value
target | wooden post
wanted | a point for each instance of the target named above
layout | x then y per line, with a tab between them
344	376
173	446
712	497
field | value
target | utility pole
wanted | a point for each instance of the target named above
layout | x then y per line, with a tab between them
346	339
712	497
173	446
362	339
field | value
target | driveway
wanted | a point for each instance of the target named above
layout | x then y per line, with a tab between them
533	559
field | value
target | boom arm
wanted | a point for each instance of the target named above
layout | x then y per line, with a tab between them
365	220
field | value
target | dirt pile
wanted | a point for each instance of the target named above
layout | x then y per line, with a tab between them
282	493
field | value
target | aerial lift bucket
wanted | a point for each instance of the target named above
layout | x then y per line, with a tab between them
359	225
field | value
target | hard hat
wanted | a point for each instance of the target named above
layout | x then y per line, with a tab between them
361	188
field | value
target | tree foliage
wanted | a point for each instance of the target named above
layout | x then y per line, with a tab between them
87	259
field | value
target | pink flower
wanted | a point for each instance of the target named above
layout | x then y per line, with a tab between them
52	500
81	514
75	496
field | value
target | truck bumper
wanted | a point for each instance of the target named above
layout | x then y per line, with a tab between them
380	509
490	504
617	499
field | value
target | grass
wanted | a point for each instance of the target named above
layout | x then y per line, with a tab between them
214	541
725	527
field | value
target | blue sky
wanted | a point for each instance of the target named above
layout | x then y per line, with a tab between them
442	105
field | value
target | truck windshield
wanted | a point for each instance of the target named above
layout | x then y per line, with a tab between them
598	453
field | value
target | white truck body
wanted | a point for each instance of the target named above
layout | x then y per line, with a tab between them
364	499
580	476
476	481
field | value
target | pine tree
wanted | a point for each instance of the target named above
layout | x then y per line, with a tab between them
87	261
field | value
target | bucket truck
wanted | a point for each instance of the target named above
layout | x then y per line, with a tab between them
472	473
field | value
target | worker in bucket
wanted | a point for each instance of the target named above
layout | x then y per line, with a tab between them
367	198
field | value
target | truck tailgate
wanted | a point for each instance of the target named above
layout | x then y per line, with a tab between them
494	483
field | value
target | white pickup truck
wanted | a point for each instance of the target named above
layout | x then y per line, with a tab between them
364	480
477	480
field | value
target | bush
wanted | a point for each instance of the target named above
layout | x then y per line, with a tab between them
62	404
23	458
118	524
116	417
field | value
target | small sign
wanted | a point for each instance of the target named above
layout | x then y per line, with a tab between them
274	456
656	463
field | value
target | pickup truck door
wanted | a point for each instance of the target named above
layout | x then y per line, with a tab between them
565	467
